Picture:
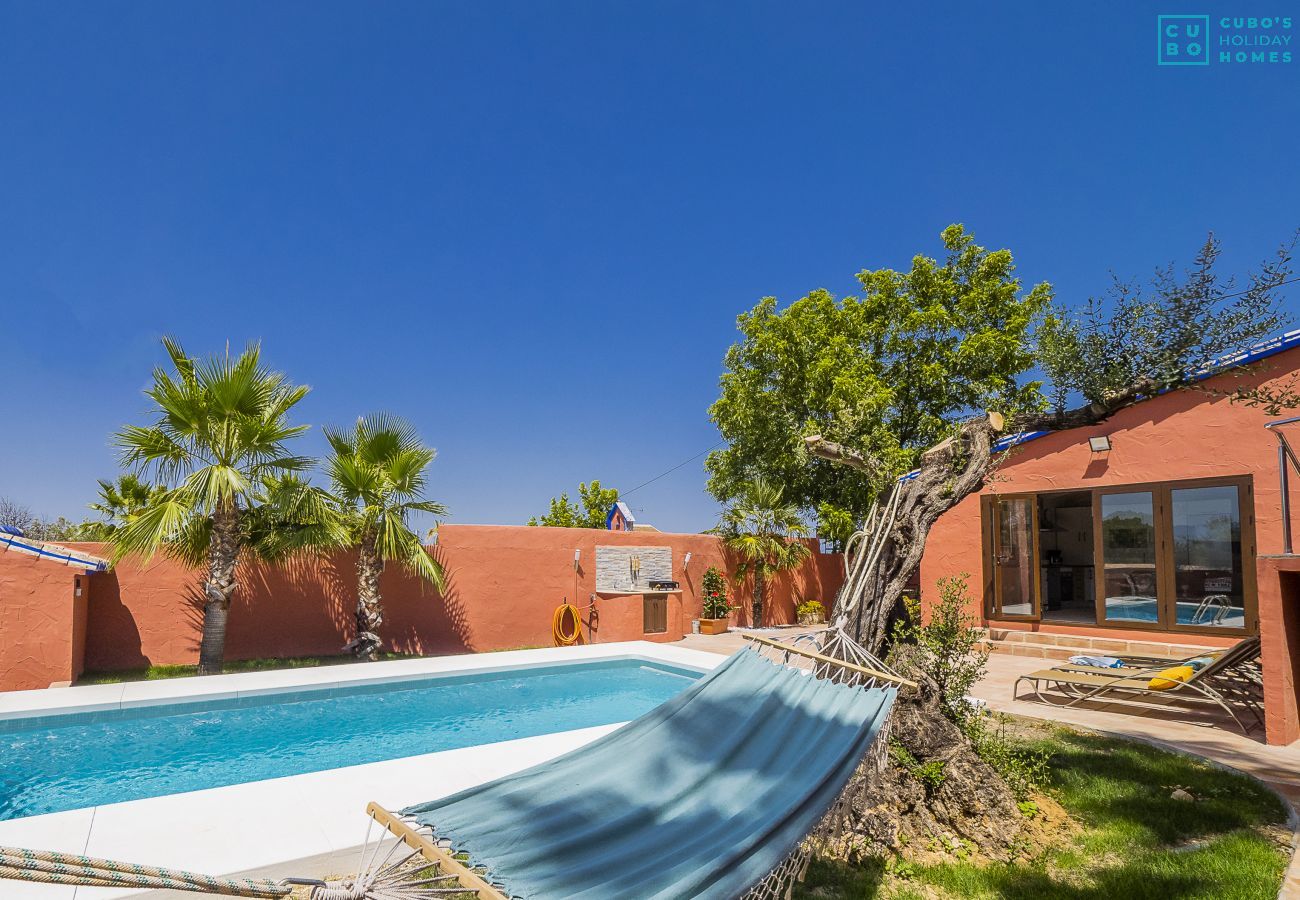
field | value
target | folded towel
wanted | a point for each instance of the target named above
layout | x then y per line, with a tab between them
1099	662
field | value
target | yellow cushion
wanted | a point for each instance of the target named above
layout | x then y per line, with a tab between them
1170	678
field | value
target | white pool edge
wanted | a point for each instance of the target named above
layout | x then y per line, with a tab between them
316	818
107	697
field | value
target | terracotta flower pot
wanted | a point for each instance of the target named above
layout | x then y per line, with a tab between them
713	626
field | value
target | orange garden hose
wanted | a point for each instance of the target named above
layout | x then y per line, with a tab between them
565	638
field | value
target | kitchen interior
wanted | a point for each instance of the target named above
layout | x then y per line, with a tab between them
1065	552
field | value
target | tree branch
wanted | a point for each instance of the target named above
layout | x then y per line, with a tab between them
838	453
1096	412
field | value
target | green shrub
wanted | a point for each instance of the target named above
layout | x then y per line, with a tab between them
1024	769
946	648
931	774
716	604
811	610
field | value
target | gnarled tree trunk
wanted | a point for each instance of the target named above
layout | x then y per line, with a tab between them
219	587
949	472
370	608
972	802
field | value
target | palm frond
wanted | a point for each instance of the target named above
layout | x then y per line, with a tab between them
379	471
154	527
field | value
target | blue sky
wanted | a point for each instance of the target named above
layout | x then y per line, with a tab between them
528	227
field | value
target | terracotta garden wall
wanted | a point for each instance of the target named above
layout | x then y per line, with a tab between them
504	584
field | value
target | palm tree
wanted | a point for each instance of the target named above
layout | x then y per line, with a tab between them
764	531
120	502
377	472
218	445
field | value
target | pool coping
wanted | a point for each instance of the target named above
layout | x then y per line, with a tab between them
317	817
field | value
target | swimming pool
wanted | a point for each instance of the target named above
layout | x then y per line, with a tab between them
77	760
1145	609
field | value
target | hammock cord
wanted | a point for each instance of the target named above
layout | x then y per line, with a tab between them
52	867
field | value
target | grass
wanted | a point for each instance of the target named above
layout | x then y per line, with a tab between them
1135	840
158	673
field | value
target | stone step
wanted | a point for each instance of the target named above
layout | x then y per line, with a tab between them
1038	651
1062	646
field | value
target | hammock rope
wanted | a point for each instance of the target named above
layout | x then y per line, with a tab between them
52	867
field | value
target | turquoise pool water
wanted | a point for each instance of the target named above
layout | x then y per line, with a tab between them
81	760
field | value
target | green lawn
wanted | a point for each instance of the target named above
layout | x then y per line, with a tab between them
156	673
1136	841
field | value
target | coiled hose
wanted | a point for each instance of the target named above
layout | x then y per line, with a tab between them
563	637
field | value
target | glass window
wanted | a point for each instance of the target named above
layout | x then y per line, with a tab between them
1013	550
1128	555
1208	585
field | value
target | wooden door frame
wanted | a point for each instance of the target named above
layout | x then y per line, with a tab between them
1246	513
1162	502
1099	561
993	603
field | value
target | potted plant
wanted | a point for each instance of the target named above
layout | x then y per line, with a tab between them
811	613
716	606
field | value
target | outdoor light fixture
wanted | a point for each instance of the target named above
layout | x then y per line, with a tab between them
577	558
1099	444
686	562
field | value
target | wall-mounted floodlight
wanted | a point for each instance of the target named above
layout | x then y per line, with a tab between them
686	562
577	558
1099	444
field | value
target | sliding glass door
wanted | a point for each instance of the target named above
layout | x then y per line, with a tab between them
1128	558
1177	556
1015	557
1209	577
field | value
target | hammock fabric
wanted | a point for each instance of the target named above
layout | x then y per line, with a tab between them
701	797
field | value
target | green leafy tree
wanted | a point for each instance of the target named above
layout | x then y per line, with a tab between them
1109	357
60	529
1139	341
219	444
946	647
119	503
764	531
379	472
589	512
884	371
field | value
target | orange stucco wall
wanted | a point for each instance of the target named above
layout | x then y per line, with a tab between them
1279	632
1182	435
503	586
42	622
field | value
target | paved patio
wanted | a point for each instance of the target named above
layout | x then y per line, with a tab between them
1213	737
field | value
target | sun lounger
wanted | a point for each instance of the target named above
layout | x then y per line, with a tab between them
1231	681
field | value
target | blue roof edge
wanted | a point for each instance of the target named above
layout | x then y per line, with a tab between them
1262	350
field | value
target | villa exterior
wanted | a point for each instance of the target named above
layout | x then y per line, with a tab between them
1163	523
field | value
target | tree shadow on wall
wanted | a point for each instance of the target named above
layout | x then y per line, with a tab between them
113	639
421	620
298	607
741	590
